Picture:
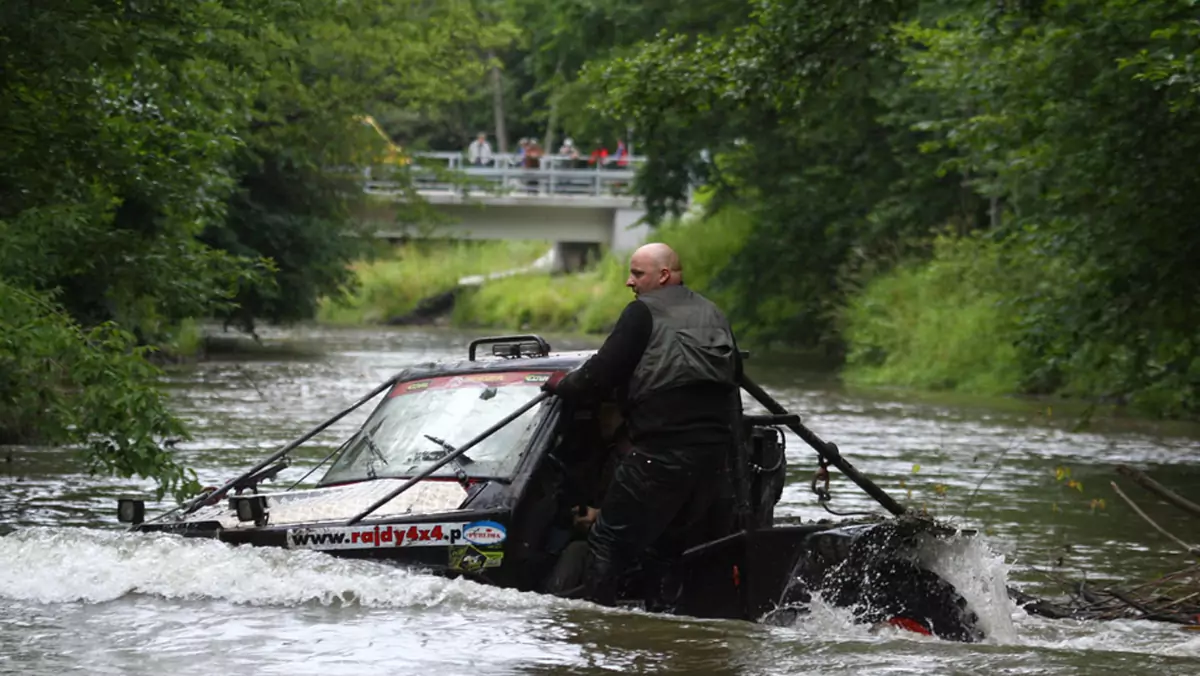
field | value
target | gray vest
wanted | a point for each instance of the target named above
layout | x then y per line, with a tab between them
691	343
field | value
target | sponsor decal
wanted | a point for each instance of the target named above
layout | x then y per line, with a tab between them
472	559
484	533
473	380
482	547
370	537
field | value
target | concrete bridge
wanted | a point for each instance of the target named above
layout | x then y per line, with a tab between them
579	208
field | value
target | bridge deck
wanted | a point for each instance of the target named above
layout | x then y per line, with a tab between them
556	176
556	201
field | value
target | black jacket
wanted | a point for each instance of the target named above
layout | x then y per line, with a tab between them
686	416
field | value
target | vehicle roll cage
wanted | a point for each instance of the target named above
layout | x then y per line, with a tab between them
512	347
532	345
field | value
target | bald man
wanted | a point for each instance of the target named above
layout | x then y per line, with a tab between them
673	363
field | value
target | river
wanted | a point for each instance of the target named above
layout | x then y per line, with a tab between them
77	595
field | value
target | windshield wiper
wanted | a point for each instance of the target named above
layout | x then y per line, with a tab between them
460	470
374	448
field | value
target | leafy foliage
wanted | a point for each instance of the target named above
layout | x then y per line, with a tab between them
792	115
1088	129
855	130
169	160
93	389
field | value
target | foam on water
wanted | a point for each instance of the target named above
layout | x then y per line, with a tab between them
1117	636
58	565
74	565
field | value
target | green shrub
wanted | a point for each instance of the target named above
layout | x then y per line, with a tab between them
60	384
706	245
942	324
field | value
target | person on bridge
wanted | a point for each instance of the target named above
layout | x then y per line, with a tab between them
674	363
479	152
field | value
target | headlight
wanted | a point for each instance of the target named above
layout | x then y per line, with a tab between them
131	510
250	508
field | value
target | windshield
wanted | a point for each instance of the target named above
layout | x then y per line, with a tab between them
395	441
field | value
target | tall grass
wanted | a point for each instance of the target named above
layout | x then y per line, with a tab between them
588	301
943	324
393	285
591	301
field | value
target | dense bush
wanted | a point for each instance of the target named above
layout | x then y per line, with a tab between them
945	323
93	389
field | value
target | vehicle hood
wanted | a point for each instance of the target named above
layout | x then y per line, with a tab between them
339	503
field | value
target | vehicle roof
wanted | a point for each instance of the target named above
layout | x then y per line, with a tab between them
556	361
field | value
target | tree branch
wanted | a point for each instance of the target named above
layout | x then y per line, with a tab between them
1158	489
1194	551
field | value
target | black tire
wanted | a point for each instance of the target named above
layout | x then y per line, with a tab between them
567	574
905	591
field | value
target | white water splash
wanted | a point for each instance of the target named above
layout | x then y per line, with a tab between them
59	565
981	576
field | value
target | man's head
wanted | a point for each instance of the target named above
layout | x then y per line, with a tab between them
481	136
653	266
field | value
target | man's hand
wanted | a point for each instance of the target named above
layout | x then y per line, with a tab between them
549	386
585	517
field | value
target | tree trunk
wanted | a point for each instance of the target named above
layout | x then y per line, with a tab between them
550	122
498	105
553	118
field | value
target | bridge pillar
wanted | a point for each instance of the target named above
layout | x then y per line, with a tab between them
574	256
628	232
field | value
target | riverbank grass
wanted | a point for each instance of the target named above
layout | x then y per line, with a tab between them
938	325
392	285
588	301
591	301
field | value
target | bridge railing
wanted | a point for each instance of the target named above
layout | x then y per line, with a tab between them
457	160
556	175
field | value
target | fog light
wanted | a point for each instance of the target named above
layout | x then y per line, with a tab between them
251	508
131	510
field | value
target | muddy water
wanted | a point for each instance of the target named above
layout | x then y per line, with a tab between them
78	596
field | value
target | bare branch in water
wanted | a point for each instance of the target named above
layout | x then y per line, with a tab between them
1194	551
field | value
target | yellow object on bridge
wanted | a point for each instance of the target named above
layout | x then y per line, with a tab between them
394	155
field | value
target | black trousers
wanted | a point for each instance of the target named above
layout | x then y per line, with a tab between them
659	503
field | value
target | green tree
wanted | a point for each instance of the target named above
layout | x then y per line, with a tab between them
170	160
322	68
1085	116
802	113
117	124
